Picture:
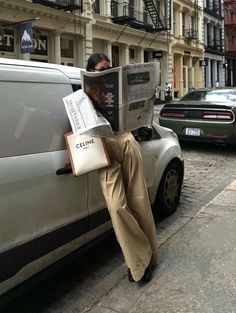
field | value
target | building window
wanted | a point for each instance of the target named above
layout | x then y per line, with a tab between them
131	53
183	23
131	8
115	56
174	23
145	15
67	48
114	8
146	56
96	6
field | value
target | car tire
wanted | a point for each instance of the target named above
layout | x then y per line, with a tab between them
169	190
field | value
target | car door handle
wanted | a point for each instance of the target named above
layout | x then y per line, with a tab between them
64	170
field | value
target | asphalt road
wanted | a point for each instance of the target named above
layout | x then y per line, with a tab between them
80	286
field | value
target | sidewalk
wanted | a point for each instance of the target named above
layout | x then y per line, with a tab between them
197	270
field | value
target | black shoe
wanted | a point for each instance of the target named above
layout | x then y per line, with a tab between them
130	277
147	276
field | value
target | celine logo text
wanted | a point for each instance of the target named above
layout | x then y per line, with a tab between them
85	144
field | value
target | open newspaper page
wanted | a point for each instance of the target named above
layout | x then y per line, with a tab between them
84	118
105	91
122	95
139	85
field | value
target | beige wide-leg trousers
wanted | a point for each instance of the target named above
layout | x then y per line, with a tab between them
124	187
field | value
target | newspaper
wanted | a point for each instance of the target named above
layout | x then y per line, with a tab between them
84	118
122	96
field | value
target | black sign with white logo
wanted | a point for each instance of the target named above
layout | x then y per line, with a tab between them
26	37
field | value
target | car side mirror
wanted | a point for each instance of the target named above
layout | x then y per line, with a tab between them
143	133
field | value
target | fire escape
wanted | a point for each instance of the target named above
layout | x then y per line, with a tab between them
66	5
230	27
150	20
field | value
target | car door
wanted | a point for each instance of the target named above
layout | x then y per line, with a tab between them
43	216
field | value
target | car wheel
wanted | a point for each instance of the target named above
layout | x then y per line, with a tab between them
169	190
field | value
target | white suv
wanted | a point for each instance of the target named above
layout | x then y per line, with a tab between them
47	214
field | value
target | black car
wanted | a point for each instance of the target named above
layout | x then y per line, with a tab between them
203	115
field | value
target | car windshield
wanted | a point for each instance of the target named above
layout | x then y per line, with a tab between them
214	95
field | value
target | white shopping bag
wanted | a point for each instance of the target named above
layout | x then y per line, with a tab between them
86	153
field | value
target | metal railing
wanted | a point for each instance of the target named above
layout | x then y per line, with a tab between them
127	12
191	33
216	44
66	5
124	13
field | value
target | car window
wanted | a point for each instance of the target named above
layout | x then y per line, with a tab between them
195	96
221	96
36	117
76	87
143	133
215	95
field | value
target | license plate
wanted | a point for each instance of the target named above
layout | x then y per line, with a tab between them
192	131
